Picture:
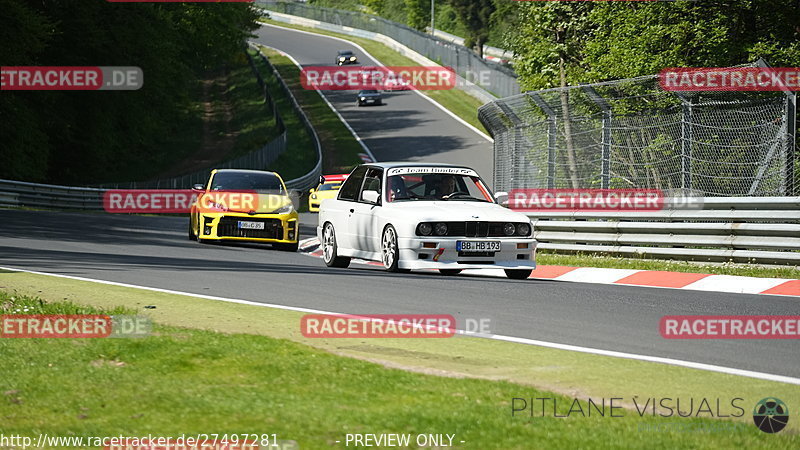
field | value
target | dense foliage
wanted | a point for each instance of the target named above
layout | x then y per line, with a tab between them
594	41
82	136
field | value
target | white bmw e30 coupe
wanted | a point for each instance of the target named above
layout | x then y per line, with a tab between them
424	216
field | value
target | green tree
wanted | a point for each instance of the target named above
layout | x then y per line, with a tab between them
419	14
476	16
550	43
632	40
94	136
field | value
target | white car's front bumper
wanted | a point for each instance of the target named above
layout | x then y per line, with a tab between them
515	253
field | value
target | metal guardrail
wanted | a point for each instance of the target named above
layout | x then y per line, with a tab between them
22	194
763	230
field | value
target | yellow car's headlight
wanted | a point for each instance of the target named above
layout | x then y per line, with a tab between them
313	196
285	209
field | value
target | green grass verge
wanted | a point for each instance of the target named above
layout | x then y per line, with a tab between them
216	367
339	148
253	120
455	100
545	257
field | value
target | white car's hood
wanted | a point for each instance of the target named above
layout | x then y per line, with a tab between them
453	210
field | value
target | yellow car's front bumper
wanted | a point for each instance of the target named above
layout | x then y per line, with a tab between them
278	228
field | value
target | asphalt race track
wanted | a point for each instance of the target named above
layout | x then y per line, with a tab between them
155	252
406	128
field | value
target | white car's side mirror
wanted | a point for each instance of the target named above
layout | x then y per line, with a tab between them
371	197
501	198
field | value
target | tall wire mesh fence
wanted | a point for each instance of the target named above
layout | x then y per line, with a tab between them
633	134
495	78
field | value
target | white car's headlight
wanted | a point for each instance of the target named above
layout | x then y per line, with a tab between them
425	229
285	209
523	229
509	229
441	228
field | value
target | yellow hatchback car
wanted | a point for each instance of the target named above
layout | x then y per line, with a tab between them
328	188
244	205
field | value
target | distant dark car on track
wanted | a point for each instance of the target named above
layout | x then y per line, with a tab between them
346	57
369	97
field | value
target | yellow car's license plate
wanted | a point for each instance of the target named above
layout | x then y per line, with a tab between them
246	225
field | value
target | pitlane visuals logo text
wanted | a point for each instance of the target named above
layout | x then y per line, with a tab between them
771	415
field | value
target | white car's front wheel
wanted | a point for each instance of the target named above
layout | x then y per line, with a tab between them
330	249
389	250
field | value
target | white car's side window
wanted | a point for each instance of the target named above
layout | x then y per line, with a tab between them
372	182
351	188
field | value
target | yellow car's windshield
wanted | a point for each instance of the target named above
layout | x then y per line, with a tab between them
266	183
330	186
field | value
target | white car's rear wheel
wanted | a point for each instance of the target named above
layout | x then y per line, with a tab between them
389	251
330	249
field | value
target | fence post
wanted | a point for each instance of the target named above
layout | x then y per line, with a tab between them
686	146
686	139
791	144
552	136
605	169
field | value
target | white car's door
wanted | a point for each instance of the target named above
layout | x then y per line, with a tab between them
363	221
345	208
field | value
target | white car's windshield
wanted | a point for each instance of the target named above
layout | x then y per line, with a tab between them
426	186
